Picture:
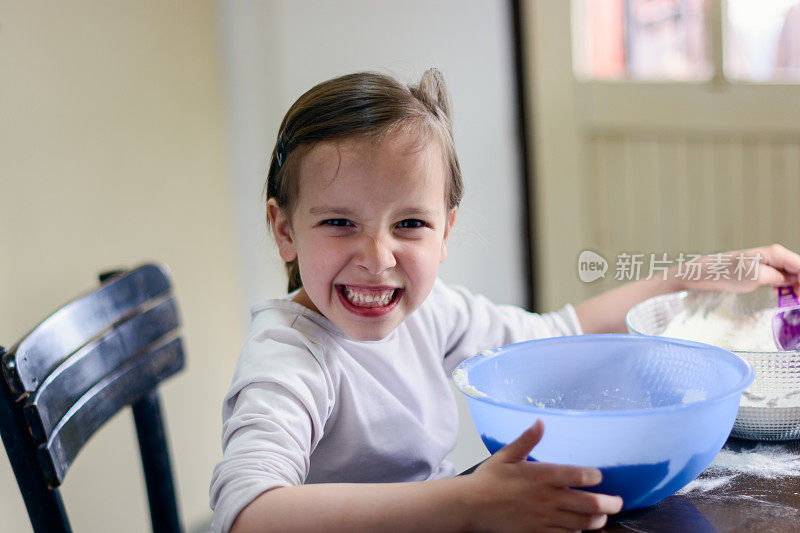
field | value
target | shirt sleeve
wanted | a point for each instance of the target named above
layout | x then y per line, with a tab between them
477	324
273	417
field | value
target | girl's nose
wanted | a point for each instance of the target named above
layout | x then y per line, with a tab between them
375	254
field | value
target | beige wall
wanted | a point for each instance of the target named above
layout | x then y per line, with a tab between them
111	154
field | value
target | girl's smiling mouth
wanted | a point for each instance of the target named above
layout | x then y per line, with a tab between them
369	301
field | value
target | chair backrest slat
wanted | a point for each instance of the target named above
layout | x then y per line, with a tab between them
28	363
123	387
99	353
68	382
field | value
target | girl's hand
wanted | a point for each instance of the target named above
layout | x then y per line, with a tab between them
520	495
738	271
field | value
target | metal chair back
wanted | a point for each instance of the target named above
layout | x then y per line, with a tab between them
94	356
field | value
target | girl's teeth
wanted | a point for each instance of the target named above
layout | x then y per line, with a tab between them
372	299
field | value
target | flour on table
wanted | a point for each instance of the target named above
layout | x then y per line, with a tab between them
707	484
764	460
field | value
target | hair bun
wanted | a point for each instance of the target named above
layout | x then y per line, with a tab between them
432	91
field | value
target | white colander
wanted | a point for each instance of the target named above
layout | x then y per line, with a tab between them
777	382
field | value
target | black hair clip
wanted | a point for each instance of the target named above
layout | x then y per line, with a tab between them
280	152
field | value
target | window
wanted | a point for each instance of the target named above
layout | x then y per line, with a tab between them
762	40
656	40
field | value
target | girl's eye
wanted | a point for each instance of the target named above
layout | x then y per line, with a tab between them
411	223
337	222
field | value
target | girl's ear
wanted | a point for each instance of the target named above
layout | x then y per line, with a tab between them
281	230
451	220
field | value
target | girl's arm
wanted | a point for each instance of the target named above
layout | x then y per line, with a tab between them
606	312
506	493
440	505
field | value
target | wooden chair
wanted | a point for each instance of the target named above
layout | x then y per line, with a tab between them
96	355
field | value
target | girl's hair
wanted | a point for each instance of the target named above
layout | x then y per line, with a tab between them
364	104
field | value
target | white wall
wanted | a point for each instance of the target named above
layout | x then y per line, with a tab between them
276	50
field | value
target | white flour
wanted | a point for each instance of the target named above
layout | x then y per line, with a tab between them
722	320
724	327
764	460
754	399
462	382
707	484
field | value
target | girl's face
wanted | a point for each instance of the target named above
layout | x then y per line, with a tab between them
369	230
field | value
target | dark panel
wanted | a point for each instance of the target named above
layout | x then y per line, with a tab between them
527	189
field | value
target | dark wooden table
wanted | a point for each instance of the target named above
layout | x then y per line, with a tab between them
747	503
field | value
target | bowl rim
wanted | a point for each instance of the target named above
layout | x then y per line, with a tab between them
461	375
680	295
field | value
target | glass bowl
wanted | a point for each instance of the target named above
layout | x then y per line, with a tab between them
770	407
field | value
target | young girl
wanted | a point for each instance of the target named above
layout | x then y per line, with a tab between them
339	416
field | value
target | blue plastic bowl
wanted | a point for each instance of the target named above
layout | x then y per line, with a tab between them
650	412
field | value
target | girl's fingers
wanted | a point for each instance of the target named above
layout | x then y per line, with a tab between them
780	258
776	257
776	266
771	276
590	503
519	449
578	521
557	475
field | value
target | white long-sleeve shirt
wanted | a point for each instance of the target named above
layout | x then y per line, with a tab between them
307	404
